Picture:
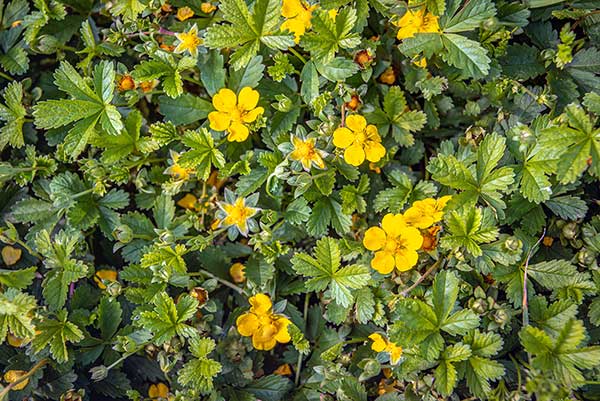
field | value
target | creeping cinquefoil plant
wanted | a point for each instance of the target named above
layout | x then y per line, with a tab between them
299	200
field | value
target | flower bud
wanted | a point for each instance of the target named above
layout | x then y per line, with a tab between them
570	230
123	233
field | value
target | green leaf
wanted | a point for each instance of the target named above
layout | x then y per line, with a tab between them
470	16
327	212
17	278
167	319
56	334
325	271
468	228
13	114
246	30
465	54
271	387
203	153
561	357
16	314
328	35
129	9
198	373
109	317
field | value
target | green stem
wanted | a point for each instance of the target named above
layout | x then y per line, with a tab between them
298	55
299	363
6	76
28	249
229	284
82	193
420	280
193	80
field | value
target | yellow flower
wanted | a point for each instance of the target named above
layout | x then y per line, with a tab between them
159	391
11	255
126	83
359	141
184	13
426	212
235	112
12	376
396	244
237	214
103	276
298	16
189	201
176	171
413	22
207	7
188	41
381	344
236	271
306	153
266	328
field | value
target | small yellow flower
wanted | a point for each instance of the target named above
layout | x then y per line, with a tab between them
381	344
12	376
413	22
11	255
188	41
158	392
184	13
176	171
237	213
189	201
103	276
306	153
426	212
233	113
266	328
298	16
396	244
359	141
207	7
236	271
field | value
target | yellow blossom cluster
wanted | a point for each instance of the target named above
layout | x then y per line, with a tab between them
234	112
359	141
416	21
398	239
265	327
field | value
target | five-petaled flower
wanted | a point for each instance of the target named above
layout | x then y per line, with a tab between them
188	41
395	243
382	344
234	113
298	16
359	140
175	170
265	327
426	212
236	214
306	153
419	21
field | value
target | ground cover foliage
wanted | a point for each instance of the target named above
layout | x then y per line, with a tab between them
287	199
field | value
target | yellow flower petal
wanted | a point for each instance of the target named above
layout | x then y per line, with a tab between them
356	123
374	151
291	8
187	202
261	303
379	343
412	238
12	376
219	121
354	155
247	324
395	353
406	260
383	262
11	255
104	275
238	132
247	99
392	224
252	115
225	100
343	137
374	239
282	336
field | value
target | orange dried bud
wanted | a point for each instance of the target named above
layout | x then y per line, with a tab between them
12	376
166	47
126	83
236	271
283	370
375	168
166	8
184	13
363	58
16	23
207	7
388	77
11	255
354	102
430	238
548	241
200	294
